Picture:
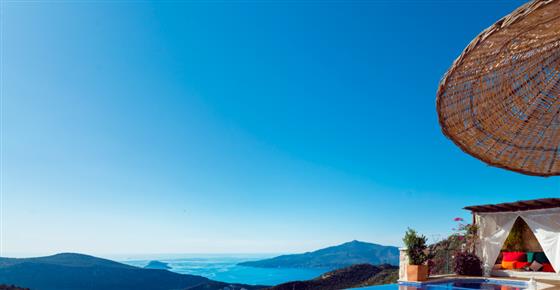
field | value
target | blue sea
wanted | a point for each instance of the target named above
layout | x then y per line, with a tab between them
224	268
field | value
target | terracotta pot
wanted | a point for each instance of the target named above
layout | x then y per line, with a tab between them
417	273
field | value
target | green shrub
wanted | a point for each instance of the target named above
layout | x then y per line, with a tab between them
415	247
514	241
468	264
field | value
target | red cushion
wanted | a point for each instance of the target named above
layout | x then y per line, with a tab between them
521	265
515	256
547	268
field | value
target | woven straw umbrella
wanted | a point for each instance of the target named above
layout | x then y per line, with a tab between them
500	100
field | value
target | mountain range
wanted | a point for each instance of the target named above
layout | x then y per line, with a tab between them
70	271
335	257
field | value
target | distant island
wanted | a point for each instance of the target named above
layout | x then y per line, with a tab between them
157	265
351	277
69	271
335	257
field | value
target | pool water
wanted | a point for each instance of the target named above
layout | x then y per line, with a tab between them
467	284
478	285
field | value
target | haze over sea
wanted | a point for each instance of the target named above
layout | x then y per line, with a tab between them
224	268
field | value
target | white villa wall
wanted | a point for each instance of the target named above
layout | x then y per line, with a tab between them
403	261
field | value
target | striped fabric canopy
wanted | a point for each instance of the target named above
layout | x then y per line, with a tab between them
499	101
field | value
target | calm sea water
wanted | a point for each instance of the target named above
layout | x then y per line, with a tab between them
225	268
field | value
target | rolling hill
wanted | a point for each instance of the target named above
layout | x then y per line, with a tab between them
336	257
76	271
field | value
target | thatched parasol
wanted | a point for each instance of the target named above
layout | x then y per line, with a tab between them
500	100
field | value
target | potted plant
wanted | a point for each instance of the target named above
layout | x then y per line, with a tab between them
415	244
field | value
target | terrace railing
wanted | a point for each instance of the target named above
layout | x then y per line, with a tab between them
442	262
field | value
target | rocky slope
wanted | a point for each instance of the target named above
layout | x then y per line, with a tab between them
351	277
11	287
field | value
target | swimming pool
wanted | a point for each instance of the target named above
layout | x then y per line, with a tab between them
455	284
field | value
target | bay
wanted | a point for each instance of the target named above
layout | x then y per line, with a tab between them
224	268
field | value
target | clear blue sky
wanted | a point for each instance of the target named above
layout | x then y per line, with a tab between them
244	126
